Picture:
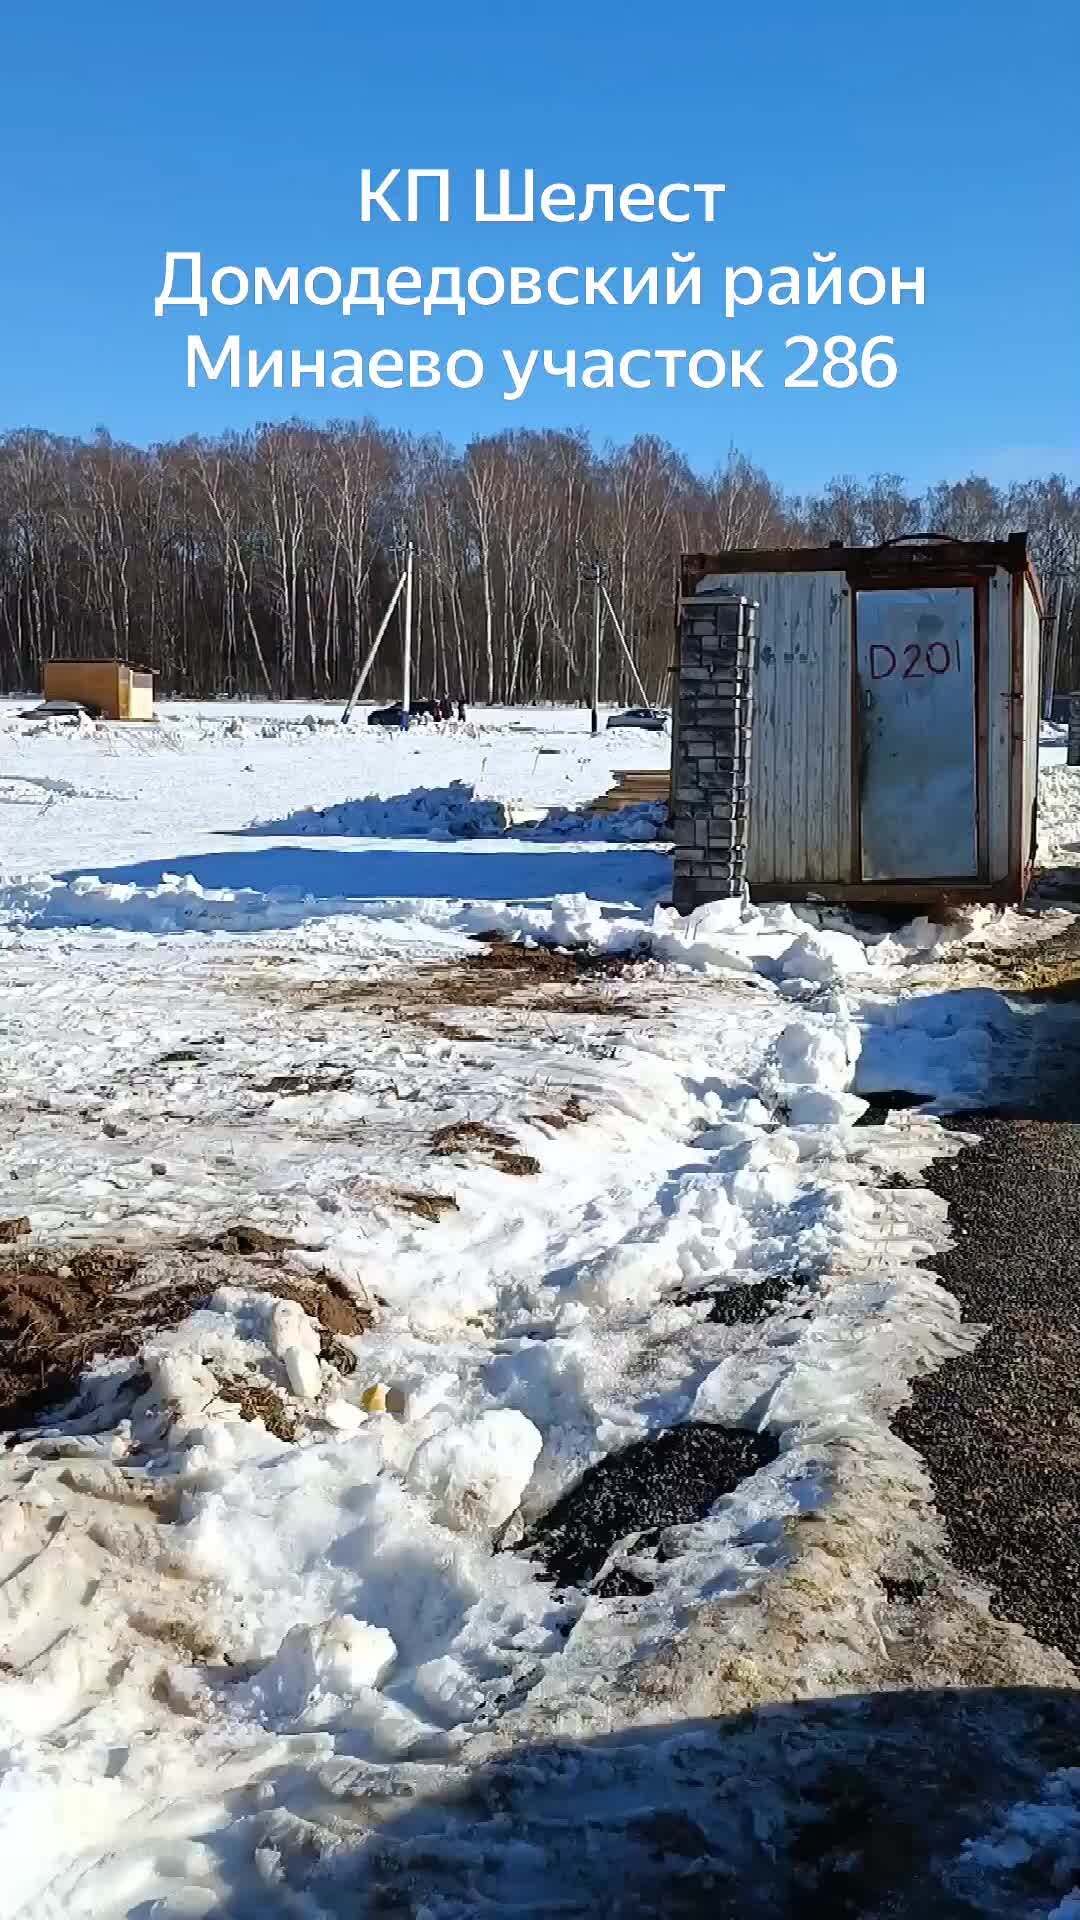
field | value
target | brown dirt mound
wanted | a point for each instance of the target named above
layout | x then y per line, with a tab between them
327	1300
55	1319
59	1311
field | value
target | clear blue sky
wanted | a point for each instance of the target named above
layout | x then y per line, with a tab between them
940	132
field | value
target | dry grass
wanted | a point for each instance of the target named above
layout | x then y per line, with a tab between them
181	1635
503	973
60	1310
422	1206
465	1137
326	1300
257	1400
336	1354
315	1081
571	1113
242	1238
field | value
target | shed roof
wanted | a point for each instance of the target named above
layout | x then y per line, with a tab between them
931	555
95	660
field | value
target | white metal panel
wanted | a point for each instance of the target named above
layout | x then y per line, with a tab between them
1032	717
800	820
999	721
917	787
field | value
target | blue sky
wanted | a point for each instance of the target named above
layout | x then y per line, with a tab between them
936	134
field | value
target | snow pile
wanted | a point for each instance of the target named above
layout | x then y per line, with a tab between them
812	1068
458	812
454	812
647	821
1059	816
177	904
1034	1850
475	1473
796	947
318	1671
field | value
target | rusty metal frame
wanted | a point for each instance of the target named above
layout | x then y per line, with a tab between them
891	562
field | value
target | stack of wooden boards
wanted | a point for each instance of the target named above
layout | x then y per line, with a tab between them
636	787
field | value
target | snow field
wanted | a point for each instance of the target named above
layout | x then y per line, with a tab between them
212	1633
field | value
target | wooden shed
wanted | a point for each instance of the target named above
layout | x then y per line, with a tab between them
114	689
895	718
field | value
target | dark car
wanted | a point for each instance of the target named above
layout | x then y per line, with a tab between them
650	719
391	716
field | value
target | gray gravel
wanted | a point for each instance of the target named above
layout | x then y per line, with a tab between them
999	1429
666	1480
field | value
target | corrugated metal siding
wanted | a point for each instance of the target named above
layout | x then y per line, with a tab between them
999	720
1032	717
800	823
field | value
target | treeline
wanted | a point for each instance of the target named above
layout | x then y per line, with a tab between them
260	563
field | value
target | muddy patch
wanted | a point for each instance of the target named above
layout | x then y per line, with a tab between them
501	974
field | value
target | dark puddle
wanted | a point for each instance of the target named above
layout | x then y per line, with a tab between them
880	1105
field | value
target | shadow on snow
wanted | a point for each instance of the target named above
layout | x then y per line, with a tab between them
429	872
914	1804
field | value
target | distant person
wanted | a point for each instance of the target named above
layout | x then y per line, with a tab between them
403	722
461	710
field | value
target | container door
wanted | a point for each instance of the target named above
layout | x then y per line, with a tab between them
917	773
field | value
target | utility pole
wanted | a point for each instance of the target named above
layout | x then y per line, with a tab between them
369	660
631	662
595	570
406	664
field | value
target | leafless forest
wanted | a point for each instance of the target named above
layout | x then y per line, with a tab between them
260	563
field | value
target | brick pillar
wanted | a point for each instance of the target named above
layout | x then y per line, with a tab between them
710	778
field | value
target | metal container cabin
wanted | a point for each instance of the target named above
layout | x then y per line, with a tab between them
895	720
113	688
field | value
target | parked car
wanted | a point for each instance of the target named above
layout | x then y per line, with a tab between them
391	716
652	719
62	710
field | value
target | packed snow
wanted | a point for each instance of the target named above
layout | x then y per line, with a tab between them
255	1576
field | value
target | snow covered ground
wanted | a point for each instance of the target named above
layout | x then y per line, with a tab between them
240	981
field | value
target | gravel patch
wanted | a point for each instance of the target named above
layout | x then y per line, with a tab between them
669	1479
999	1428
